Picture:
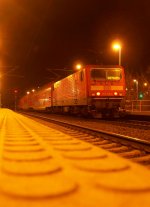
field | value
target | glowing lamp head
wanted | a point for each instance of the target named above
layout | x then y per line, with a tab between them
115	93
116	46
78	66
15	91
98	93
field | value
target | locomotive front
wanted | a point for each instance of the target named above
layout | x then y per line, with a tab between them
106	89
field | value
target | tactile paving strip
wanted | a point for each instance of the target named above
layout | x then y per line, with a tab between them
41	166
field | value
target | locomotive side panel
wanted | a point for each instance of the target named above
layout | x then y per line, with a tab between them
38	100
42	99
23	103
26	102
71	90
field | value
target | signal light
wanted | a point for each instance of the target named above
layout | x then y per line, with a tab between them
98	93
115	93
141	96
15	91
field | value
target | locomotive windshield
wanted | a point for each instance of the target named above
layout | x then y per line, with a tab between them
105	74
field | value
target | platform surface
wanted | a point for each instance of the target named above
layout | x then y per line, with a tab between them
41	166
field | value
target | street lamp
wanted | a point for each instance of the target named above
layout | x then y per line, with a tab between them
145	84
117	46
78	66
137	90
0	91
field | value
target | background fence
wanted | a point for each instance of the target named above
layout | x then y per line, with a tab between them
137	105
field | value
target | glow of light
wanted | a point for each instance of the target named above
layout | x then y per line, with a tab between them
145	84
57	84
135	81
115	93
28	92
78	66
116	46
98	93
33	90
46	99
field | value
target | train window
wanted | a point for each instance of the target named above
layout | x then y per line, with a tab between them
106	74
113	75
98	74
81	76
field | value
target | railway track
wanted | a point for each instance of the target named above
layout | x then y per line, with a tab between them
128	147
131	123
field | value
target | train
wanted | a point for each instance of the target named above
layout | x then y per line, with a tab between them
93	90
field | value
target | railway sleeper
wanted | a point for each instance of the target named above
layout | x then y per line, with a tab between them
110	146
120	149
134	153
101	142
84	138
143	159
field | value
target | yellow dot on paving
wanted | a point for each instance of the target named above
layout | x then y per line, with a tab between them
87	155
73	148
18	140
30	168
29	156
107	165
125	182
20	143
46	186
23	148
65	143
57	138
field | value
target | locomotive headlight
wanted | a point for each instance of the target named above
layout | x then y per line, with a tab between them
115	93
98	93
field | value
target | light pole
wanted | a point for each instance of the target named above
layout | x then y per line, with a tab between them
137	88
117	47
0	91
28	93
2	75
15	93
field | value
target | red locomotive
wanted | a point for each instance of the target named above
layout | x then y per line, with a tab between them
93	90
